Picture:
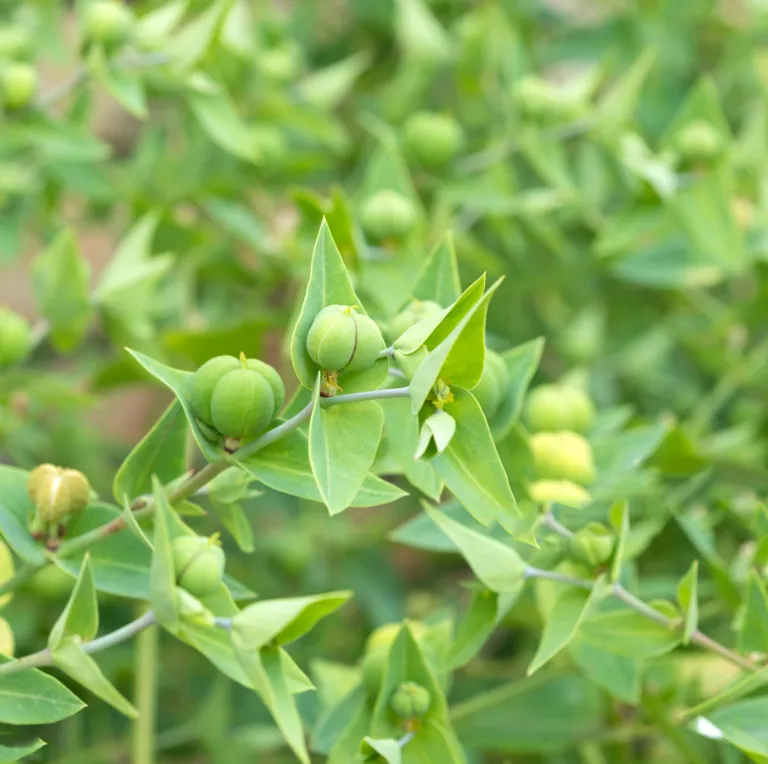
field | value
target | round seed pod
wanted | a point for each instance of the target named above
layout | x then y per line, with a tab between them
203	382
79	490
199	564
562	456
593	545
108	22
242	404
432	139
410	701
418	310
340	339
560	492
387	215
551	408
273	378
57	493
15	338
15	41
18	83
493	385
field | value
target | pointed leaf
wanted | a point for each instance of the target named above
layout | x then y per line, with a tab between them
742	724
618	675
133	526
124	85
60	277
625	632
161	452
81	614
236	522
163	574
15	508
619	516
687	596
387	749
471	467
327	87
439	277
284	620
440	427
497	565
32	697
753	631
70	657
419	34
19	752
192	43
343	441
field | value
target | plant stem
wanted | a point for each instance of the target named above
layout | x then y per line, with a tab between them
387	352
43	657
554	525
145	695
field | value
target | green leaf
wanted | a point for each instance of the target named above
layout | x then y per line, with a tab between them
284	466
81	615
236	522
375	750
132	524
551	712
329	284
419	34
70	657
158	24
163	573
32	697
17	753
753	622
343	441
625	632
439	277
471	467
284	620
618	675
326	88
161	452
124	85
687	596
497	565
522	362
176	381
619	516
459	359
563	621
192	43
435	741
60	277
15	510
742	724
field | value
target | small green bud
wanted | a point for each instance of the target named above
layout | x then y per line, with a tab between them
562	456
593	545
242	404
57	493
18	83
108	22
418	310
410	700
535	97
550	408
387	215
199	564
699	141
15	338
560	492
341	339
492	388
432	139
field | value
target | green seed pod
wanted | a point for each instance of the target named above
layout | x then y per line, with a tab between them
551	408
387	215
18	83
15	41
492	388
108	22
562	456
15	338
418	310
199	564
273	379
593	545
432	139
410	700
57	493
203	382
340	339
699	141
535	97
242	404
408	364
560	492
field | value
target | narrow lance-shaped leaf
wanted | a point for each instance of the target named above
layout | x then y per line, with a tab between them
387	749
16	753
439	277
162	582
192	43
124	85
343	441
687	596
753	621
32	697
81	614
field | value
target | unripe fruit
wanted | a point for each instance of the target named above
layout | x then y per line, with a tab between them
14	41
242	404
432	139
57	493
274	380
418	310
51	583
386	215
205	380
493	385
410	700
550	408
560	492
199	564
562	456
593	545
108	22
535	97
341	339
15	338
18	83
699	141
409	364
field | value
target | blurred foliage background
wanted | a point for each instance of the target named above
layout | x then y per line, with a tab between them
613	168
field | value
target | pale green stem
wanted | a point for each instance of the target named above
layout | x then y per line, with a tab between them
387	352
145	695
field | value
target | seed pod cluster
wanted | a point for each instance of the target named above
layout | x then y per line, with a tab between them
492	388
57	494
341	339
410	701
199	564
235	398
